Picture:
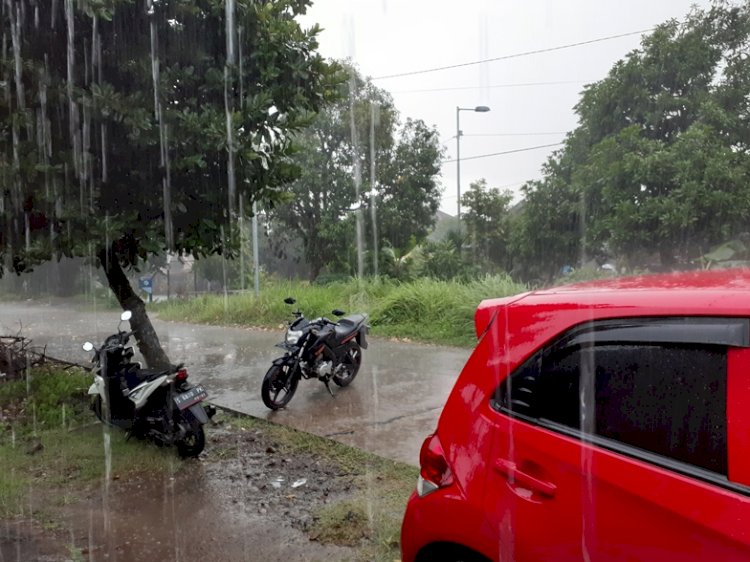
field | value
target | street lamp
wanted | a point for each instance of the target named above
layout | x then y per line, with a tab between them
478	109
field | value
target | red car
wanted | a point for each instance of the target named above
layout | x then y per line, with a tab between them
601	421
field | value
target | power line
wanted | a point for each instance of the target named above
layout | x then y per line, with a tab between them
513	85
513	134
506	186
506	152
509	134
515	55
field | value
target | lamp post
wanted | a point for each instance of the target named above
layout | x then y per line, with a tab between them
478	109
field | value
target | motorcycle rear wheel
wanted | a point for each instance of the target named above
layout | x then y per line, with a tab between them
350	364
279	386
194	441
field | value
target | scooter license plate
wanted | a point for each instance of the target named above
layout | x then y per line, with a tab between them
193	396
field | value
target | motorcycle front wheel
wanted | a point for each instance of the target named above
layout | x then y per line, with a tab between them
349	366
279	385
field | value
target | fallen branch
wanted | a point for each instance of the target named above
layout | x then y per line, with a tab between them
17	356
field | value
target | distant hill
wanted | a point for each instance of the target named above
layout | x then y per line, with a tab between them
444	223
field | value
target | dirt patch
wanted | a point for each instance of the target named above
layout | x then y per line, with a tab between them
244	499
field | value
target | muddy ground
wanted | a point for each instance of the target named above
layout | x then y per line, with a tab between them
245	498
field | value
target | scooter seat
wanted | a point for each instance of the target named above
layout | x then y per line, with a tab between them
135	376
151	374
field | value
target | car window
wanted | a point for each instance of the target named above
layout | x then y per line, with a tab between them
662	398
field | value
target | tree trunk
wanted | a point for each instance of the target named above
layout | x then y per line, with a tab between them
145	335
315	268
666	256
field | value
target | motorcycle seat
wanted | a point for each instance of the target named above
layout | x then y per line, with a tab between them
349	324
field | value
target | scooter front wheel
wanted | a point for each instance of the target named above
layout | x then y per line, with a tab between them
279	385
96	406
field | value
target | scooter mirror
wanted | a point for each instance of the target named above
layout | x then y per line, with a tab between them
337	312
127	315
88	346
289	300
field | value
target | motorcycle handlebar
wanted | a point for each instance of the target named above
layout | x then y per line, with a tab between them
122	338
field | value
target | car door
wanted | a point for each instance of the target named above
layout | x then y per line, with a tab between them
613	443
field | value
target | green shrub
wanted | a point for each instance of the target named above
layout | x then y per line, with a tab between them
427	310
438	311
48	399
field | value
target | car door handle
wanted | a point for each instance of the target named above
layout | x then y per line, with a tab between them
511	472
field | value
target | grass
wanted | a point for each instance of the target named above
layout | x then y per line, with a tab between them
425	310
49	444
46	398
370	518
345	523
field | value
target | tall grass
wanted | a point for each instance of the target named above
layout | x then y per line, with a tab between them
269	309
426	310
438	311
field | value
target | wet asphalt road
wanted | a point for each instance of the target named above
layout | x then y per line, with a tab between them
388	410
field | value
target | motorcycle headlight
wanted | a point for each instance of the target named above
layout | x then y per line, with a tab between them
293	336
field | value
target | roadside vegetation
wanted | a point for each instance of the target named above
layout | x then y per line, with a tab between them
426	310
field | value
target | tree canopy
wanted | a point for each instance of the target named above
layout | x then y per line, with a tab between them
133	128
140	125
486	219
659	162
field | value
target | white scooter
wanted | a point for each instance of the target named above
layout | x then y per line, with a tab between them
156	404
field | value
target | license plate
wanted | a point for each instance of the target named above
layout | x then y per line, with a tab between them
190	397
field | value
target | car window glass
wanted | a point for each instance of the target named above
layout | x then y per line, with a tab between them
666	399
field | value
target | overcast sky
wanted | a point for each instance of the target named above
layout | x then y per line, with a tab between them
393	36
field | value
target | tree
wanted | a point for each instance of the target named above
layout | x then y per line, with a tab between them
548	227
486	220
659	161
131	130
408	191
545	233
322	213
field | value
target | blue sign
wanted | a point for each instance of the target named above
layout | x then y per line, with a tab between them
146	284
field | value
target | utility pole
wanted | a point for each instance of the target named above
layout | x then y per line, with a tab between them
374	116
478	109
256	260
241	221
357	180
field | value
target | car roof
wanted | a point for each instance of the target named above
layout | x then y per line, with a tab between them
725	279
694	293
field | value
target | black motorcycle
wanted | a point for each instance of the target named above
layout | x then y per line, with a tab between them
318	348
148	403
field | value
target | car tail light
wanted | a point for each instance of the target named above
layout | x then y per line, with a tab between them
181	375
435	472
